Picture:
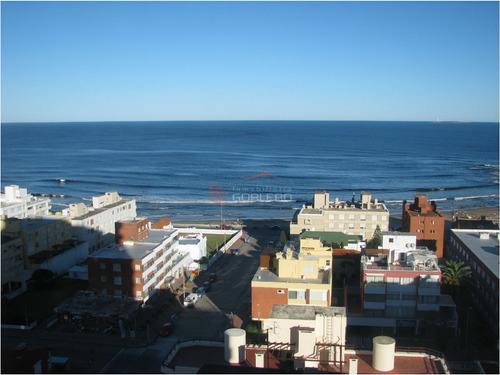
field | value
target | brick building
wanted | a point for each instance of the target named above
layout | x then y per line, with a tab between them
426	222
142	261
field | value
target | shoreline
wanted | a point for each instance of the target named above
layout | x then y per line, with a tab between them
491	213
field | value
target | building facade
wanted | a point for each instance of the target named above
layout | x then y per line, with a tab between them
400	287
17	203
39	242
352	218
478	249
299	275
426	222
95	223
141	264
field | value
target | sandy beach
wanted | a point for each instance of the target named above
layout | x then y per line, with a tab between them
491	213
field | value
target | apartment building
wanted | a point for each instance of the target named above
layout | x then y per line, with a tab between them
400	287
17	203
95	223
426	222
478	249
142	261
299	275
34	243
352	218
12	264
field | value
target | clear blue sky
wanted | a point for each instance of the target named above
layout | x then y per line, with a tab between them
116	61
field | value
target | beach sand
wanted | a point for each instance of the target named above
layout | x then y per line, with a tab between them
491	213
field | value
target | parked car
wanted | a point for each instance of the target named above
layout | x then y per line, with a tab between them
271	244
166	330
201	291
212	277
236	251
191	299
206	285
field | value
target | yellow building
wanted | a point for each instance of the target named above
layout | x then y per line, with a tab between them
352	218
302	277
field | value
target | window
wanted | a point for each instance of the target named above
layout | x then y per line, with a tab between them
103	279
351	225
138	280
393	296
117	267
421	222
138	293
328	262
118	280
351	217
318	295
391	240
341	225
137	267
374	217
331	217
362	217
331	225
409	296
297	294
374	298
384	218
341	216
433	231
104	292
118	292
407	281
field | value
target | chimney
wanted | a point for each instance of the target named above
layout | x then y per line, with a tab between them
353	365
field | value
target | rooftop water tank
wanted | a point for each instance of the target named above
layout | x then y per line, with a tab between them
384	348
234	345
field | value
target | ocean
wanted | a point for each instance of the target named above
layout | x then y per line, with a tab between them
194	170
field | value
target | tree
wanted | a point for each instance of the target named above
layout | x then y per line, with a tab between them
283	239
454	272
376	240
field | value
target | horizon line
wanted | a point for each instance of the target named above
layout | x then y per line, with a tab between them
240	120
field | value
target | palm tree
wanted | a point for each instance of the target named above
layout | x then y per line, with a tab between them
454	272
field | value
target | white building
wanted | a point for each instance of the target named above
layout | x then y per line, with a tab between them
95	223
195	245
319	333
17	203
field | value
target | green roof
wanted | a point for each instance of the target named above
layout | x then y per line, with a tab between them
330	237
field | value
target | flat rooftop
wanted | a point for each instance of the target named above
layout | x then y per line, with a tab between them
304	312
138	249
264	275
97	211
486	250
84	302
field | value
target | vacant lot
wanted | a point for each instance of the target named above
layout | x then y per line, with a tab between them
38	305
214	242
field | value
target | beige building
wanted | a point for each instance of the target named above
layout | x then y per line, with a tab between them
352	218
301	276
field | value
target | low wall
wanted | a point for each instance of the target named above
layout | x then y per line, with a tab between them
20	327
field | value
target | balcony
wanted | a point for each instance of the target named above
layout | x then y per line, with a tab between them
374	305
375	288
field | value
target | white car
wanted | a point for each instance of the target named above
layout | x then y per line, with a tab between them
191	299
